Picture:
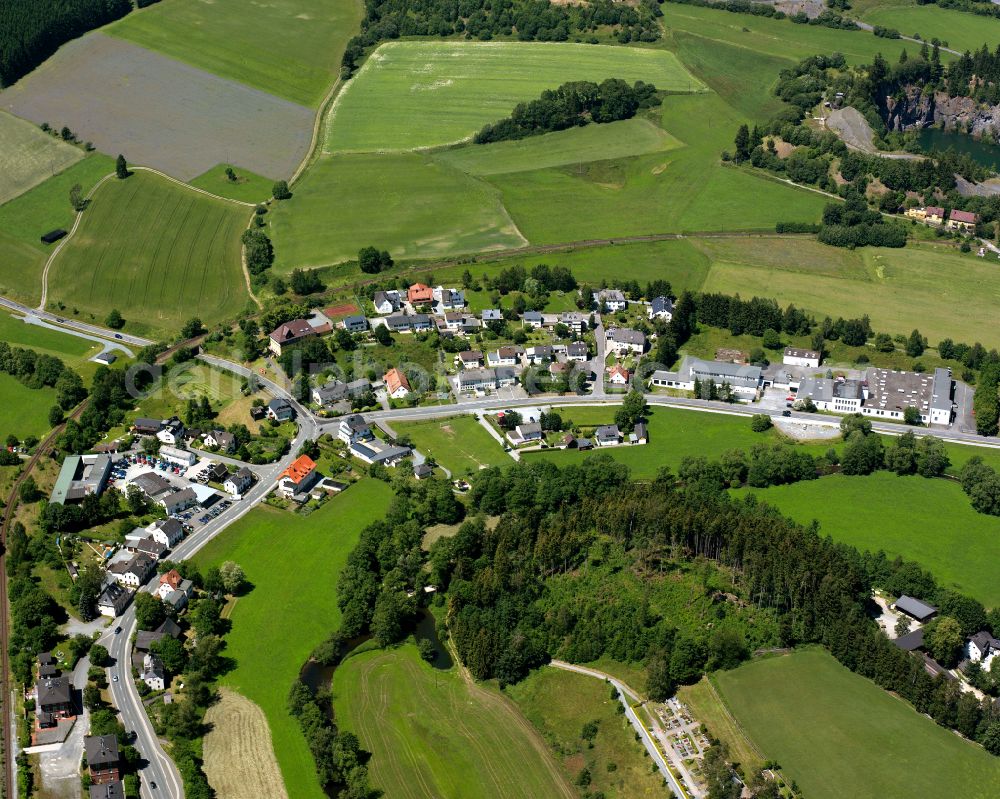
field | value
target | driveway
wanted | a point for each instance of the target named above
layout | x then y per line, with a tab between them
61	769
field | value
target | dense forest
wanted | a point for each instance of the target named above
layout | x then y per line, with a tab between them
32	30
525	20
572	104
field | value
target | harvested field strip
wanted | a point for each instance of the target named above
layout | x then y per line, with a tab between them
239	756
30	156
423	94
161	112
157	251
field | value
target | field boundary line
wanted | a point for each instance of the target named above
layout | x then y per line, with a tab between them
319	130
733	720
189	186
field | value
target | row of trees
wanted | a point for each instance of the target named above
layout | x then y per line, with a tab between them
571	105
38	370
985	402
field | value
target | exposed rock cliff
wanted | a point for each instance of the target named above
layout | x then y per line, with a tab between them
917	109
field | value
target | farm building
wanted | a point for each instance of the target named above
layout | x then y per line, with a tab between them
79	476
915	609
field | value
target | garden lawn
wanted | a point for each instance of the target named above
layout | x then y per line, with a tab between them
248	188
459	444
838	734
41	209
899	289
291	48
291	608
158	252
559	703
24	411
29	156
590	143
929	521
405	203
673	435
433	734
429	93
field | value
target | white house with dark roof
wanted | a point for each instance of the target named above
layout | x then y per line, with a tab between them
386	302
661	308
983	649
624	340
611	299
239	481
577	352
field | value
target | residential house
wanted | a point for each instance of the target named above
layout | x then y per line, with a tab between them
983	649
352	427
330	393
611	299
146	427
532	319
54	695
506	376
109	790
396	384
133	572
166	531
399	323
558	369
423	471
525	433
169	581
239	482
964	221
421	322
171	431
113	600
280	410
477	380
578	352
79	476
103	759
151	484
661	308
356	323
222	439
618	375
542	353
447	299
419	294
298	478
153	673
915	609
147	545
470	359
177	456
386	302
624	340
453	321
504	356
607	435
178	501
215	473
575	321
799	357
639	435
289	333
491	315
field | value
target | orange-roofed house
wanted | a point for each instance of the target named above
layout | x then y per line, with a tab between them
299	477
168	583
419	294
396	384
618	375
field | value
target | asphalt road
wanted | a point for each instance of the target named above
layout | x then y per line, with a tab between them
74	324
159	768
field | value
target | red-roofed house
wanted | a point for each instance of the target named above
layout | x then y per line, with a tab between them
618	375
962	220
419	294
299	477
168	583
289	333
396	384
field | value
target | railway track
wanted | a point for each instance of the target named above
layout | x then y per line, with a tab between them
8	516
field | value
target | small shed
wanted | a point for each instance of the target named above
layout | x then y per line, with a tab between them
53	236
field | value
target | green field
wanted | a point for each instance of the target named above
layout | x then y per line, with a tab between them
37	211
289	612
249	187
961	29
157	252
433	734
425	94
291	48
405	203
927	521
24	411
674	434
70	349
837	734
30	156
459	444
574	146
559	703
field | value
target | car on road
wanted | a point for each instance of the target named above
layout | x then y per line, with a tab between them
152	784
118	335
786	413
114	678
117	630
